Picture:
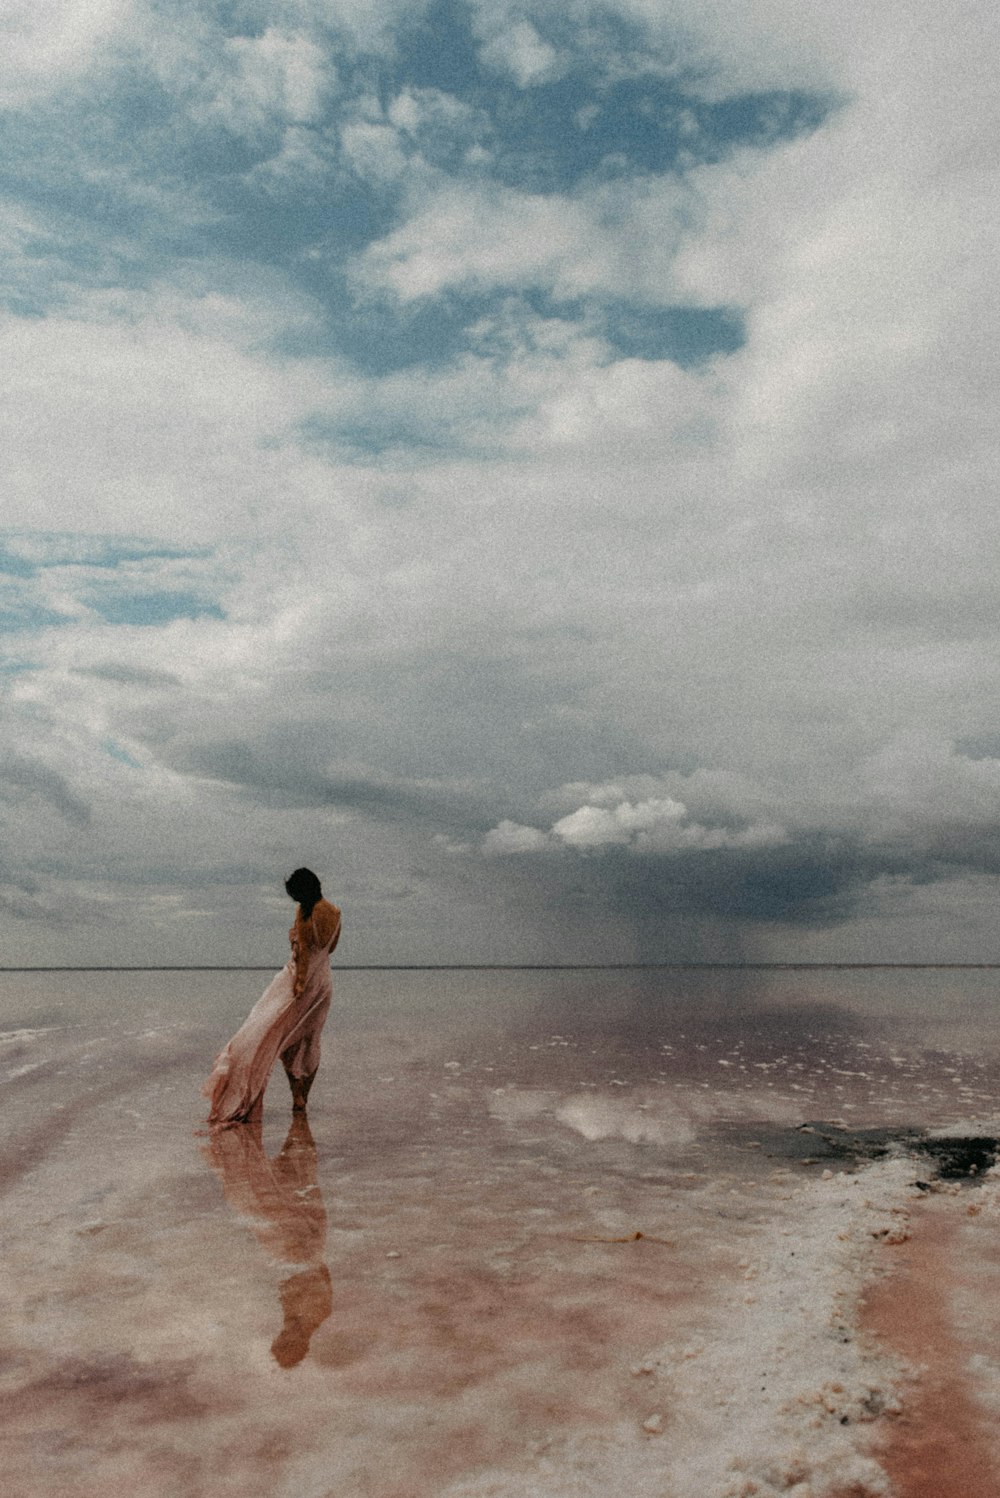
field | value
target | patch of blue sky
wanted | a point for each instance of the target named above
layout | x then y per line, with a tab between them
636	125
49	270
333	217
386	433
983	746
379	337
153	607
436	48
589	120
77	181
687	336
27	617
113	553
13	565
26	552
121	755
102	201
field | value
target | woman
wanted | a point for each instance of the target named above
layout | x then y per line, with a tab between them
286	1021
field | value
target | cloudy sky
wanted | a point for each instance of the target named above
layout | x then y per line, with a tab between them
532	462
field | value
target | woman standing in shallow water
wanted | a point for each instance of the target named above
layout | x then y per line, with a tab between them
286	1021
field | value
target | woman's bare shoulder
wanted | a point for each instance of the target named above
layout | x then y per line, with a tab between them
325	917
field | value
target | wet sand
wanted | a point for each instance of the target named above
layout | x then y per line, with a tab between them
551	1237
944	1440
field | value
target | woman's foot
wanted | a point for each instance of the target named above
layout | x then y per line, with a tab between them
300	1092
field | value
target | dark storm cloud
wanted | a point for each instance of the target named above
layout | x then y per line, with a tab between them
958	846
280	778
810	881
815	882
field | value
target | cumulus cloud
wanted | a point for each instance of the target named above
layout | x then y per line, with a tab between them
612	239
430	110
277	75
658	825
522	53
373	150
475	235
512	837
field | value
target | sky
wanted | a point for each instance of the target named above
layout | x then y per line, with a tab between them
532	463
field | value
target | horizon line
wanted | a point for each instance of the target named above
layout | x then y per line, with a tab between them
516	967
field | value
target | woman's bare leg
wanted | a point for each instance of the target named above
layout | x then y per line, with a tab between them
300	1091
300	1085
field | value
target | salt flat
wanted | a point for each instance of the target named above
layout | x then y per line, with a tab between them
553	1234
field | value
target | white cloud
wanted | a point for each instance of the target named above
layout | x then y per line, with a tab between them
918	782
767	44
642	411
415	109
373	150
274	76
860	252
596	826
469	235
659	825
369	24
46	44
156	422
304	156
513	837
519	51
615	239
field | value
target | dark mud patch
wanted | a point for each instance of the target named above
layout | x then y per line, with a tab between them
955	1157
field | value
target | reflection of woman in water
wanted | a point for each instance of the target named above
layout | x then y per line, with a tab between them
286	1021
282	1199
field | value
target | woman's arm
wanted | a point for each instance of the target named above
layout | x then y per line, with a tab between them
334	929
320	931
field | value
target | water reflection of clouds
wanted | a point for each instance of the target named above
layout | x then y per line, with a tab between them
281	1200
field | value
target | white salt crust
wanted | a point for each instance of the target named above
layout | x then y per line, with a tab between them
779	1394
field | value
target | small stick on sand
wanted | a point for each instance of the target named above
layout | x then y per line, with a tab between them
629	1238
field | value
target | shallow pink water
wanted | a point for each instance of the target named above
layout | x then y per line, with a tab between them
438	1287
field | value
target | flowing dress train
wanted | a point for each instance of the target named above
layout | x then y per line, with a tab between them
286	1021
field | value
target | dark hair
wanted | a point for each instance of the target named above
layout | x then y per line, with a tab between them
304	887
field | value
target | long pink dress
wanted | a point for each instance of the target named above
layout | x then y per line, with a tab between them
286	1021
